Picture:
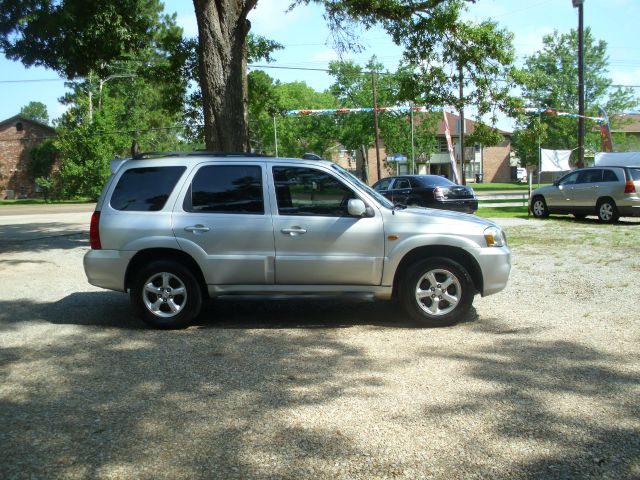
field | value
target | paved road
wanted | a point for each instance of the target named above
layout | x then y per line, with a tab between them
17	210
28	223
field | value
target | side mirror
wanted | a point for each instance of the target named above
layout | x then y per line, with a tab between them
356	208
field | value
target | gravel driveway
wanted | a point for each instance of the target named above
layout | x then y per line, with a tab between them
542	381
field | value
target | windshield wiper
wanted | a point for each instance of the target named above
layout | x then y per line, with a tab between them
399	206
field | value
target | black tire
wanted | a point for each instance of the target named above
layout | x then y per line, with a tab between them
166	295
607	211
419	293
539	207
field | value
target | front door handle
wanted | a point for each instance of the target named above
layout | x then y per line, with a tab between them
196	229
293	231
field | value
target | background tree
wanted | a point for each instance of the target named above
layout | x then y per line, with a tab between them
36	32
36	111
549	80
352	88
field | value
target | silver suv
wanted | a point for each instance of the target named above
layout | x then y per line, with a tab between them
608	192
173	229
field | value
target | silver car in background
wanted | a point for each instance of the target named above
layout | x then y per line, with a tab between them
173	229
608	192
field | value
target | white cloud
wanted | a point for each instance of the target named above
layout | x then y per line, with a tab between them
271	16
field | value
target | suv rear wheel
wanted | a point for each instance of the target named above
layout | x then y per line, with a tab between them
607	211
437	292
166	295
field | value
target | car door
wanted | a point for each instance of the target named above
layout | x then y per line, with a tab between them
559	197
400	190
317	242
383	186
585	191
224	222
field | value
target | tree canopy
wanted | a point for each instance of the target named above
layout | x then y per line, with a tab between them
36	111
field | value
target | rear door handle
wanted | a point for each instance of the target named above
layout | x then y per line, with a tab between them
197	229
293	231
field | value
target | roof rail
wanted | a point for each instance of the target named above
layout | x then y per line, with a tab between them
195	153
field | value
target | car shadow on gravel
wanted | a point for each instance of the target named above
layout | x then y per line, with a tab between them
114	310
36	243
302	312
100	309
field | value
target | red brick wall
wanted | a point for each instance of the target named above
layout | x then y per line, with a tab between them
14	156
496	162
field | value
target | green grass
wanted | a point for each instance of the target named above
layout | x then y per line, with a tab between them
497	187
40	201
502	212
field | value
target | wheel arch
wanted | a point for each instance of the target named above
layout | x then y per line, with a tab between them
144	257
456	254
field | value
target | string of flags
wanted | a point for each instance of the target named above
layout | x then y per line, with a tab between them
335	111
553	111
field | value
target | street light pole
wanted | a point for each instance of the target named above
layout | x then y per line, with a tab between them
580	5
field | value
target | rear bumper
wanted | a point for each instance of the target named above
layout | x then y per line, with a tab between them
107	268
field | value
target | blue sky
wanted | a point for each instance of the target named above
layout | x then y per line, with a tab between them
307	43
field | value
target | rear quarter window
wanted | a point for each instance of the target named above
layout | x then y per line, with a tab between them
145	189
635	174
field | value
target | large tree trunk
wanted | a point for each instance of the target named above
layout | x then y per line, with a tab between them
222	35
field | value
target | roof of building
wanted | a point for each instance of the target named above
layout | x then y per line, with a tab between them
20	118
627	123
454	120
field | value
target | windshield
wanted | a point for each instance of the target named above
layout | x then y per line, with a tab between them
346	173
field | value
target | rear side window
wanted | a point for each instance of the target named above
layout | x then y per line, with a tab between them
226	189
145	189
635	174
609	176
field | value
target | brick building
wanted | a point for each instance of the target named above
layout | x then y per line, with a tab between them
492	163
17	136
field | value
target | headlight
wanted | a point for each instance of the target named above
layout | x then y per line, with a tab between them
495	237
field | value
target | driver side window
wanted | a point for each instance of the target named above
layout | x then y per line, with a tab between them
307	191
570	179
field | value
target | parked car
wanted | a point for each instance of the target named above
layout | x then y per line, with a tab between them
431	191
608	192
177	228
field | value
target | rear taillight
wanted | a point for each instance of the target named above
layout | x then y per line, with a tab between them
629	187
94	231
438	194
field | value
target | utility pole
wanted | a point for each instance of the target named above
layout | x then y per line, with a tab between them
462	172
375	122
580	5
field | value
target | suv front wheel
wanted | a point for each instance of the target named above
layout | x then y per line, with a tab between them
166	295
437	292
539	208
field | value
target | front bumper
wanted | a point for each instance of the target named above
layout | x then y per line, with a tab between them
495	264
107	268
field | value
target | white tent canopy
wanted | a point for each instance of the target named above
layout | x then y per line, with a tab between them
617	159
